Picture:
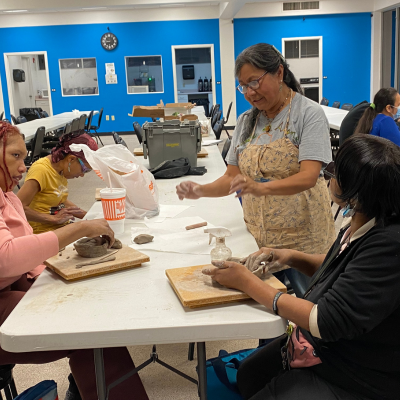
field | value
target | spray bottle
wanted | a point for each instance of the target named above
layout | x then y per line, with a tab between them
220	252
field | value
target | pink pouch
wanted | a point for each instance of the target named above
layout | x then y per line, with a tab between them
301	353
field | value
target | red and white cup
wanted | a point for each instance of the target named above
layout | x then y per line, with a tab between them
113	202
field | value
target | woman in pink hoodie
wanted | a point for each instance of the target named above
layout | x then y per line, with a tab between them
18	272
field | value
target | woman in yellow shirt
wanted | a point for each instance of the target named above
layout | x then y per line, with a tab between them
44	194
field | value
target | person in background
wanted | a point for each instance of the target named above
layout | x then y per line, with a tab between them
379	118
278	149
342	338
21	262
44	194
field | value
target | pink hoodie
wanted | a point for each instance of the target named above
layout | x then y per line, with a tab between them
20	250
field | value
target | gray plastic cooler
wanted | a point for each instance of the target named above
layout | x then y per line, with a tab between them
170	140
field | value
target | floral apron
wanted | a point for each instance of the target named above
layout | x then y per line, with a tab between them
302	221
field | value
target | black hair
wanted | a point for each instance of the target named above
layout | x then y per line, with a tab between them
367	170
383	98
266	57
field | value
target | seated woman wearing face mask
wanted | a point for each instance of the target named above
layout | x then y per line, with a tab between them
378	118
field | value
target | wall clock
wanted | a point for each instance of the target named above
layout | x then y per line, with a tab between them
109	41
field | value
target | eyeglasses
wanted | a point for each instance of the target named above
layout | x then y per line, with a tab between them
329	171
253	85
85	169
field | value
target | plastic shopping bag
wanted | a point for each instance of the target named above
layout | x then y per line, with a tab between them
125	172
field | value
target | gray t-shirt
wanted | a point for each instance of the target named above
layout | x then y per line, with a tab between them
308	131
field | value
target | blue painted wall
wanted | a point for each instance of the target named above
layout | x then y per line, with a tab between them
346	49
135	39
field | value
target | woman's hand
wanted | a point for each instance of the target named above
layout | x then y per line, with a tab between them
246	185
61	217
230	274
274	259
76	212
98	227
189	190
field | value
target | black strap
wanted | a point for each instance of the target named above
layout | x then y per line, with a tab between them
220	371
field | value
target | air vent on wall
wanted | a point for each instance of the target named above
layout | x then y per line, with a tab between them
301	5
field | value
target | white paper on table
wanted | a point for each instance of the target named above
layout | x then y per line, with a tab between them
211	142
171	210
171	236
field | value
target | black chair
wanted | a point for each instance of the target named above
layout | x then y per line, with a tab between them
324	102
89	123
225	120
226	148
67	129
118	139
14	120
95	128
37	115
7	383
336	104
138	132
347	106
44	114
218	130
75	124
211	112
213	120
35	146
1	116
82	122
21	120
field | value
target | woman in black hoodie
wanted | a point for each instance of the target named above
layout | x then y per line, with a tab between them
343	338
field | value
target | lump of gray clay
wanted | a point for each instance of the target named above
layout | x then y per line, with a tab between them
142	239
94	247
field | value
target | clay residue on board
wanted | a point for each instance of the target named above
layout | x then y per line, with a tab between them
198	282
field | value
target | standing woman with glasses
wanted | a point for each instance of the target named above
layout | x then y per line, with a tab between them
278	149
44	194
379	118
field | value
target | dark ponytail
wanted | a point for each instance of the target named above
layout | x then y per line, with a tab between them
383	98
266	57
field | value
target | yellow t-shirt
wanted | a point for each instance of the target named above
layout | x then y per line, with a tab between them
53	192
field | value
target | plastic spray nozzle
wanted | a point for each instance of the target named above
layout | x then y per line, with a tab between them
217	232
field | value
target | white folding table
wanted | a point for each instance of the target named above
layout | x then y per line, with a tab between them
335	116
138	306
50	123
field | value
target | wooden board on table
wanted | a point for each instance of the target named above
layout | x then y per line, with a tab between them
197	290
65	264
97	194
138	151
202	153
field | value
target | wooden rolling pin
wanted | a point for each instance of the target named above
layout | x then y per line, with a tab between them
199	225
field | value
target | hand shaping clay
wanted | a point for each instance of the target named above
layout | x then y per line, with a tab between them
94	247
258	266
142	239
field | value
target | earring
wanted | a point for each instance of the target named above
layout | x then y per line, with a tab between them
280	87
348	211
69	167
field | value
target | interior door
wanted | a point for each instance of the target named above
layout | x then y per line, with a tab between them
25	88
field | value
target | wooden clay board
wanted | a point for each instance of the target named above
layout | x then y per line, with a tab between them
197	290
139	152
97	195
125	258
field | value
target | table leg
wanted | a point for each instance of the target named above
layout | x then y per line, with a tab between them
100	374
201	368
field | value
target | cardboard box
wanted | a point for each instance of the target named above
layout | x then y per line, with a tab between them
150	112
161	110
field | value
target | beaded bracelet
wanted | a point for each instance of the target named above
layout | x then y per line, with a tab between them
275	301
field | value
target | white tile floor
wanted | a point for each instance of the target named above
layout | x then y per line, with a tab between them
160	383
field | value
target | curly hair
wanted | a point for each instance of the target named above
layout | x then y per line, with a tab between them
6	130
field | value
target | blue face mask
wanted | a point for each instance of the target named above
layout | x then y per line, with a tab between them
397	115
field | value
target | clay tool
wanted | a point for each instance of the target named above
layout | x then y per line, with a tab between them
199	225
105	258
